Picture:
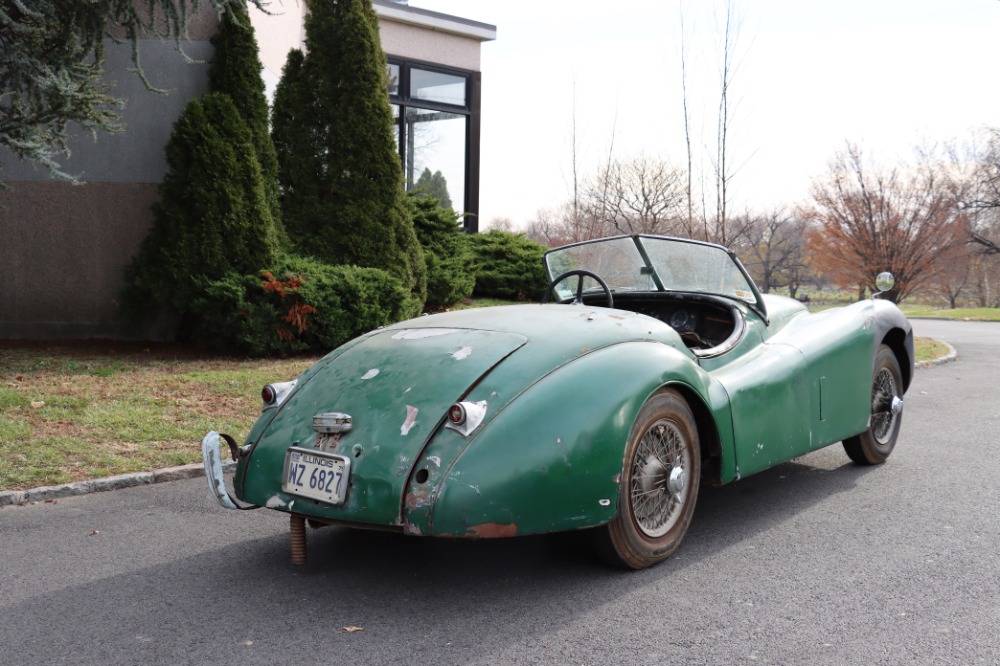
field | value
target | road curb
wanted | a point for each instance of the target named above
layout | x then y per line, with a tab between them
47	493
947	358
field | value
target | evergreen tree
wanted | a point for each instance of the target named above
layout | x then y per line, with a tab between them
235	71
212	218
434	185
451	273
299	166
355	211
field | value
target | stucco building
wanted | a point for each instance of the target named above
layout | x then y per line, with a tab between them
64	247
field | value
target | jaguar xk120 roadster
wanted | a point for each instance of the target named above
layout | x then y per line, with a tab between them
658	366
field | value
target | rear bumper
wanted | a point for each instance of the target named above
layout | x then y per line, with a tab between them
211	454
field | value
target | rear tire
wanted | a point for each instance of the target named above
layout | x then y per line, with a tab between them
659	485
875	444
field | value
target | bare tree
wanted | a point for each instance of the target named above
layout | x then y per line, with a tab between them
689	190
773	248
884	219
501	224
640	195
718	166
952	276
722	164
555	227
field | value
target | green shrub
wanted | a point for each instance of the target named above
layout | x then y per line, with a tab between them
508	266
450	262
298	305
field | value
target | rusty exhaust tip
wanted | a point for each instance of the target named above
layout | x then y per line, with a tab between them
298	533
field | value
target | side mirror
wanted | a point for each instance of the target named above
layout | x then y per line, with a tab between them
884	282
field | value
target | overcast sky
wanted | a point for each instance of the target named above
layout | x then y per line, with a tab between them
887	74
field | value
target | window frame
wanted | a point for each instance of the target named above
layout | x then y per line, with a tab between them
471	111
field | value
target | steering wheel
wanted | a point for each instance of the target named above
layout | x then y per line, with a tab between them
579	286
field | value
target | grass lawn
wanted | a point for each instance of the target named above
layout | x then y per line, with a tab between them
81	411
960	314
76	411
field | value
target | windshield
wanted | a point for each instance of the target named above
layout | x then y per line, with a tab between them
650	263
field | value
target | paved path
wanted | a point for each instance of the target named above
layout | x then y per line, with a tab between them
814	562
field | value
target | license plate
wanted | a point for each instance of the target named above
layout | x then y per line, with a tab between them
317	475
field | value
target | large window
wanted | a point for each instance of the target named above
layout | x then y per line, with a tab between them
437	132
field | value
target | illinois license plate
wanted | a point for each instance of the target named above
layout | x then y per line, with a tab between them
316	474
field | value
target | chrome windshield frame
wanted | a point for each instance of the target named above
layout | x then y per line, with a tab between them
753	299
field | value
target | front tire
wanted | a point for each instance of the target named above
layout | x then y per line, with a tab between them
659	485
875	444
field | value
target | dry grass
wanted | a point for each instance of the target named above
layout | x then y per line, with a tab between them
80	411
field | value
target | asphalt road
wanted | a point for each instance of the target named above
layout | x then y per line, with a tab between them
815	562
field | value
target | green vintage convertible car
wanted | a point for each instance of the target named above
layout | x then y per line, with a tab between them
660	366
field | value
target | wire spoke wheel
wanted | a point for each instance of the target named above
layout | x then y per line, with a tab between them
660	476
874	445
660	472
884	391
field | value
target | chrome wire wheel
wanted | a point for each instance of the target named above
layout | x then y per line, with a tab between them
660	474
661	471
885	398
874	445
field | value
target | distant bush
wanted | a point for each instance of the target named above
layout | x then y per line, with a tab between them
298	305
508	265
450	262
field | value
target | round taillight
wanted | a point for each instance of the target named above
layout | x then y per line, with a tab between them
268	394
457	414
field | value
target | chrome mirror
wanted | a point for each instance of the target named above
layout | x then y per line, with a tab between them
884	282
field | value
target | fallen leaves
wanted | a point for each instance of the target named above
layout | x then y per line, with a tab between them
351	630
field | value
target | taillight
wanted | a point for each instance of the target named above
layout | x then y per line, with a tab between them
275	394
465	417
457	414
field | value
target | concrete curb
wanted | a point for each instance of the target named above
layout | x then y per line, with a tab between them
16	497
947	358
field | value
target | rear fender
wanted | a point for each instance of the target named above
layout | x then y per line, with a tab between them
551	458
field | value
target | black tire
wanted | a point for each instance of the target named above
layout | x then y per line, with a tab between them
875	444
656	497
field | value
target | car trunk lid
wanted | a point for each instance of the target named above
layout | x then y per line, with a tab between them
397	386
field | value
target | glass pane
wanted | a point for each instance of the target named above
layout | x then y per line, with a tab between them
437	87
684	266
395	123
616	260
435	155
392	74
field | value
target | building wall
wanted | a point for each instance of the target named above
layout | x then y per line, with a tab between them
64	247
399	29
415	43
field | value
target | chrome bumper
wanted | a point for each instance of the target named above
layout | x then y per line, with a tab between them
211	454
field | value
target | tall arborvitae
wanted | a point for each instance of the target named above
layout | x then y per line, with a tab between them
235	71
212	218
357	213
298	162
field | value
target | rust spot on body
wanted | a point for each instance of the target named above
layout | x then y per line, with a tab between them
493	530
